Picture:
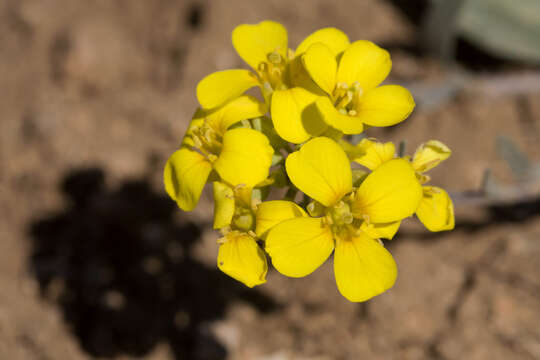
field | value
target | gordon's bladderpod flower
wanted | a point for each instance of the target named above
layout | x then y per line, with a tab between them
436	210
363	268
294	137
238	156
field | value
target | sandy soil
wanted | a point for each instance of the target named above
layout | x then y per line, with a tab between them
95	261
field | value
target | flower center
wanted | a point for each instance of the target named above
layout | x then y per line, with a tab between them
243	219
271	72
341	214
346	98
207	140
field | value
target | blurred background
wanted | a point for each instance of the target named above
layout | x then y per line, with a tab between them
96	261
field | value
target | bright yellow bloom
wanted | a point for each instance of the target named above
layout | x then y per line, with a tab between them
239	255
363	268
436	210
239	156
353	95
327	88
294	114
343	92
262	46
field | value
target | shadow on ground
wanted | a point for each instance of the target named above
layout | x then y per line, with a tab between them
120	269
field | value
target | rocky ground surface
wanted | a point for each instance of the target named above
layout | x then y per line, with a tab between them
95	261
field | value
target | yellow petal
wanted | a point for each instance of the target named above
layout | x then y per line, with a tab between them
436	210
196	121
352	151
223	205
222	86
294	115
242	108
321	170
365	62
241	258
245	157
363	268
299	246
333	38
390	193
271	213
331	116
299	77
429	155
381	231
374	153
321	65
385	106
184	176
253	42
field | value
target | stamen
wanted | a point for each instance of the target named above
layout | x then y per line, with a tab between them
345	100
267	87
352	112
224	231
274	58
347	218
366	218
197	142
315	209
290	54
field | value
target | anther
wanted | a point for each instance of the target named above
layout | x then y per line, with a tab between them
223	240
267	87
274	58
197	142
347	218
290	54
346	99
358	88
276	72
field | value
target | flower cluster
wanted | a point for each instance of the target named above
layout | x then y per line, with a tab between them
293	141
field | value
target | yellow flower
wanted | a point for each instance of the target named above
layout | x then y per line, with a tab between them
239	156
264	47
362	266
293	110
436	210
346	95
239	255
354	97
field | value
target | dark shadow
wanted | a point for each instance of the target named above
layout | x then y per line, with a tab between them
195	14
121	271
413	10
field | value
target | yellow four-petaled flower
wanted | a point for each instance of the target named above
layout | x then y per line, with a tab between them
325	89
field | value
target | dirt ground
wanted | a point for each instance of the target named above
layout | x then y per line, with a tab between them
96	262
